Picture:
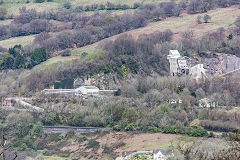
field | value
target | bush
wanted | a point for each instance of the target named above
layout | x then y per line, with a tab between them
130	127
39	1
169	129
79	9
153	129
116	128
136	5
84	54
93	144
197	132
66	53
64	153
67	5
81	139
211	134
199	19
70	134
206	18
55	137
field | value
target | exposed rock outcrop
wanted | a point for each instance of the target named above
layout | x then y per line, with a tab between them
106	81
218	64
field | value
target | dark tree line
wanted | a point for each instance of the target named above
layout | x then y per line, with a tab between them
17	58
107	6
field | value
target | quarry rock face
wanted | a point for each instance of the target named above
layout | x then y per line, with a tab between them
108	81
219	64
230	63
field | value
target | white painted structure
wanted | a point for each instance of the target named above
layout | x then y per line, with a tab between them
83	90
87	90
159	154
178	64
207	103
197	72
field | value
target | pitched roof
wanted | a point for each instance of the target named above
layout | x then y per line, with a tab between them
164	152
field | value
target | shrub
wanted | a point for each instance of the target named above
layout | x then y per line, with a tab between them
81	139
136	5
197	132
206	18
230	36
130	127
84	54
39	1
199	19
153	129
70	134
66	53
79	9
102	7
64	153
93	144
169	129
55	137
67	5
117	128
211	134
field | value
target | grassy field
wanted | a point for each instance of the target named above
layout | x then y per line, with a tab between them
127	141
59	59
221	17
144	141
76	55
13	5
5	22
24	40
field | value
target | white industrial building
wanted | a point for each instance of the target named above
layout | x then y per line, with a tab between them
197	72
178	64
83	90
87	90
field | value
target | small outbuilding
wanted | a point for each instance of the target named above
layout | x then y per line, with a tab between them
159	154
87	90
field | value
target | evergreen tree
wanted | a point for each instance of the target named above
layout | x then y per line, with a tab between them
7	63
19	62
39	55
